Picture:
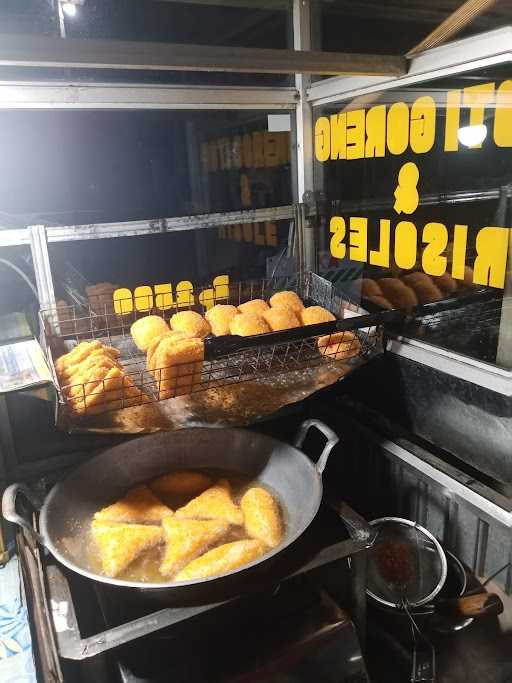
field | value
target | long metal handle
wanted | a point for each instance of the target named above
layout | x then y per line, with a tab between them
9	508
332	440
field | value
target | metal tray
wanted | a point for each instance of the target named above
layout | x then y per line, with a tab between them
227	360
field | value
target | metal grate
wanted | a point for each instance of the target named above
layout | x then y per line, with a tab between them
223	360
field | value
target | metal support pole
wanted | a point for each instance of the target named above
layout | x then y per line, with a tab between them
41	263
504	352
304	122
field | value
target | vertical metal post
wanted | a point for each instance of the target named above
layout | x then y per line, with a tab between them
61	18
504	352
41	263
304	123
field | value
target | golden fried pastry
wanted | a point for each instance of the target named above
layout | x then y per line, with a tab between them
77	355
339	346
423	286
192	323
281	319
214	503
147	328
287	299
96	359
171	334
187	539
262	517
224	558
139	506
313	315
446	284
381	301
180	483
109	389
247	324
370	288
220	317
400	295
119	544
178	364
257	306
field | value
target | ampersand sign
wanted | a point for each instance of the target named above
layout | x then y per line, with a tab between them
406	193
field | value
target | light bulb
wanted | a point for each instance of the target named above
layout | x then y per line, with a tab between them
472	136
69	9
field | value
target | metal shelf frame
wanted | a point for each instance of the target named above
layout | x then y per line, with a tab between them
369	75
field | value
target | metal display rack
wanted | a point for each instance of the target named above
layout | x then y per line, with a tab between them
223	360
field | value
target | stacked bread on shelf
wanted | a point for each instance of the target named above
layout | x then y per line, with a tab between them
93	381
411	289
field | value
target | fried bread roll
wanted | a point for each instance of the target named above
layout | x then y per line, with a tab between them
316	314
381	301
119	544
139	506
281	319
224	558
400	295
145	329
180	483
339	346
170	334
370	288
214	503
257	306
286	298
423	286
247	324
178	364
220	317
446	284
262	517
187	539
191	323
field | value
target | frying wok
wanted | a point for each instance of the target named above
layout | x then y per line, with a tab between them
66	513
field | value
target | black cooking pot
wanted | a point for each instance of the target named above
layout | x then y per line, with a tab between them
65	515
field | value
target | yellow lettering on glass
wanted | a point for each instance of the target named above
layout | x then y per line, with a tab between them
380	257
397	128
503	115
406	245
375	132
338	129
477	98
460	240
358	239
322	138
163	296
435	236
143	298
452	122
184	294
355	134
123	301
491	257
423	124
338	229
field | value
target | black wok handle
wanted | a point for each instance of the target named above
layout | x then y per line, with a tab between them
9	508
332	440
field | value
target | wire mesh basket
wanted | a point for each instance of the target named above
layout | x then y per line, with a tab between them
106	371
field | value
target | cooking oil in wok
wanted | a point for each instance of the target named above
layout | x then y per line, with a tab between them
146	568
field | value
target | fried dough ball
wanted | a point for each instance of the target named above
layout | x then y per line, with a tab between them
145	329
286	298
446	284
424	287
247	324
370	288
256	306
281	319
381	301
220	317
395	291
191	323
316	314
